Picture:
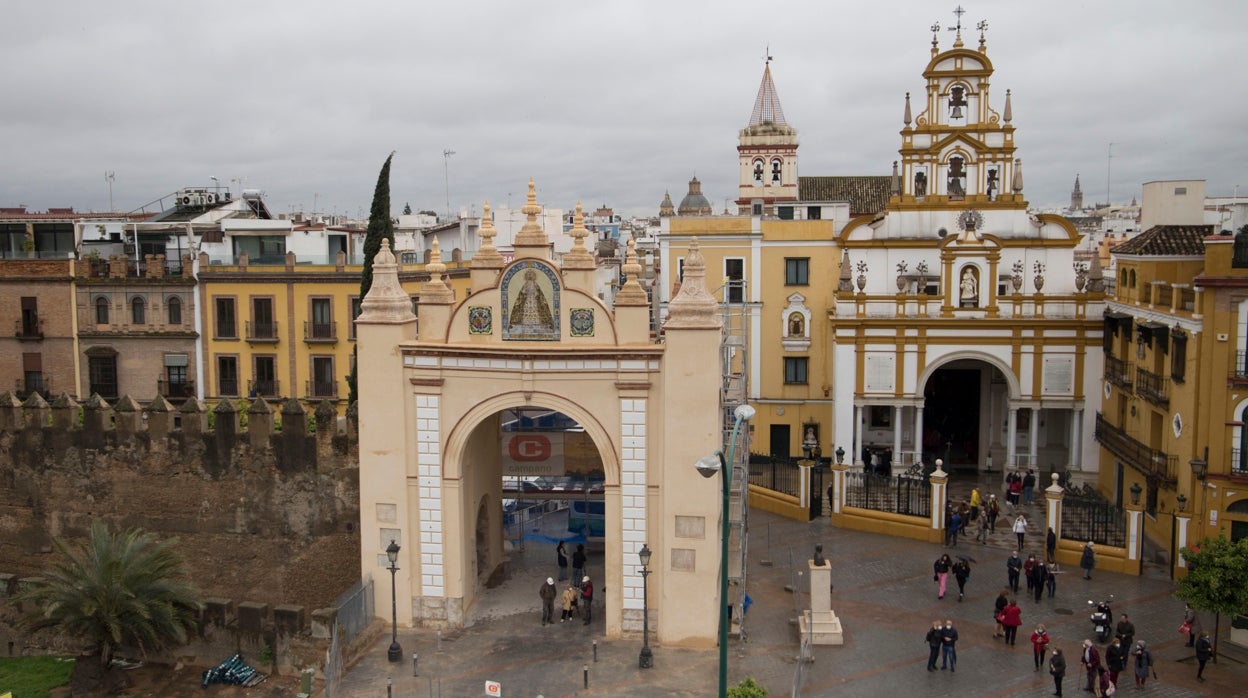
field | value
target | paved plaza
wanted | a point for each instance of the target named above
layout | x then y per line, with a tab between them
884	596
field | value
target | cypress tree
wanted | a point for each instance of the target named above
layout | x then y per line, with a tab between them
380	226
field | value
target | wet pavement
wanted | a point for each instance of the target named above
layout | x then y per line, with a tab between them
884	596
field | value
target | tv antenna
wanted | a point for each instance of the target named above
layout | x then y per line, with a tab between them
446	177
109	176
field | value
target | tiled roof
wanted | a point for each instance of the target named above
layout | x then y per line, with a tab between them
866	195
1167	241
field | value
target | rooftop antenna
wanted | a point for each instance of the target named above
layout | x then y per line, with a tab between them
109	176
446	177
1109	159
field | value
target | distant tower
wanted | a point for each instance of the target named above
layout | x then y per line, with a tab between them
766	152
694	203
1076	196
667	209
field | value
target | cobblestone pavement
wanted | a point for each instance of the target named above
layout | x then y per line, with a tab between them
884	596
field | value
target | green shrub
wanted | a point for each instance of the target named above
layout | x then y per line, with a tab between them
748	688
34	676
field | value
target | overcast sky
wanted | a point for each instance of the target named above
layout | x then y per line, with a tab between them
604	102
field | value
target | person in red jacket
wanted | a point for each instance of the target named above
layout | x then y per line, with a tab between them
1090	659
1039	644
1011	618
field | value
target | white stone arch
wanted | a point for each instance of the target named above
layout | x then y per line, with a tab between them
1241	326
471	419
1237	431
1011	381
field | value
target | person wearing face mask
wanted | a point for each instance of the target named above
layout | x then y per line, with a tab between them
949	646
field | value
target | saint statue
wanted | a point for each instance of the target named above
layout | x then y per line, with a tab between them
969	286
531	311
795	325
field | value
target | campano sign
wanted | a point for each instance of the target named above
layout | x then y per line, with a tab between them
493	688
531	454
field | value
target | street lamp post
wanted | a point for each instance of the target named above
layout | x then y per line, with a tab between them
708	466
395	653
646	659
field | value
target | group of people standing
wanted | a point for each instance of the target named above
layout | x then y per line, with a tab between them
577	598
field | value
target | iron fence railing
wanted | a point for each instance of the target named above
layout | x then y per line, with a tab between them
902	494
264	388
1091	518
28	328
321	389
777	474
320	331
1152	387
261	331
175	388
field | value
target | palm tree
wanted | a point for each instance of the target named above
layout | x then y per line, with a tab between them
128	590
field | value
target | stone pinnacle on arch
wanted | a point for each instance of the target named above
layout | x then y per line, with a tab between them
693	307
386	300
631	293
578	257
435	289
487	257
531	234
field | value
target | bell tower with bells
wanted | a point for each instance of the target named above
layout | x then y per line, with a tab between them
959	150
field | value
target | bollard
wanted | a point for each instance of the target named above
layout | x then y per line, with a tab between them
439	639
389	689
415	657
585	669
595	651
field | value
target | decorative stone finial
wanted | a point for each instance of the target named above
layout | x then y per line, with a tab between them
693	307
846	280
906	119
531	234
386	301
487	257
435	290
1008	116
1018	176
631	293
578	257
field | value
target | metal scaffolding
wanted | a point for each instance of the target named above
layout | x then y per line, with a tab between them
734	391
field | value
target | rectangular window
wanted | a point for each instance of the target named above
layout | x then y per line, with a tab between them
734	272
353	311
784	213
1178	357
30	316
263	325
322	325
101	311
1180	191
796	271
264	376
814	213
227	375
32	373
173	307
261	249
227	322
795	369
323	383
756	209
102	374
176	384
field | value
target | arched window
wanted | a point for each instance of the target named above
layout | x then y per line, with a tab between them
173	308
138	312
1241	458
101	311
1131	276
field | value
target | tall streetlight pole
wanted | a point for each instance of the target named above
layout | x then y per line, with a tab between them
395	653
109	177
646	659
708	466
446	177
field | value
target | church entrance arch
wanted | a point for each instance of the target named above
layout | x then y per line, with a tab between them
966	401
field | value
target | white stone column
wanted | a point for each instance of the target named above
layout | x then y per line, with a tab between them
1181	538
1053	495
918	432
803	483
856	456
1011	437
1135	534
896	435
939	480
1033	451
838	487
1076	440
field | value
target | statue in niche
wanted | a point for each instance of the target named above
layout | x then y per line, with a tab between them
992	184
775	171
957	173
758	171
920	183
797	325
957	100
970	287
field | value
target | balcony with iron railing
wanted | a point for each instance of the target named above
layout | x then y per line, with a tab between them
321	389
320	332
1239	372
177	390
271	388
1152	462
25	387
1239	462
1152	387
28	329
262	331
1118	372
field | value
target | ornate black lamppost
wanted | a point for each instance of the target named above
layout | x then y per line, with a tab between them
646	660
395	653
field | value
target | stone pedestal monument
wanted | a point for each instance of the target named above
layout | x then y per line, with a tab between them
820	623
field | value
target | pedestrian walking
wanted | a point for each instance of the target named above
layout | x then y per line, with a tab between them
587	597
1029	487
1013	567
1016	489
935	638
975	502
949	646
940	575
994	510
1011	618
1050	581
1087	560
1115	660
1192	623
982	534
1143	663
561	558
951	529
578	563
1090	660
547	594
1039	575
1003	600
569	602
1125	632
1020	529
1039	645
1057	669
1050	546
1029	565
961	572
1204	651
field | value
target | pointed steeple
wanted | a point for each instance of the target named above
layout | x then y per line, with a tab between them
435	289
1076	196
767	104
907	118
693	307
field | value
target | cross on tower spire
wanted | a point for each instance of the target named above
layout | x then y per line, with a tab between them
957	42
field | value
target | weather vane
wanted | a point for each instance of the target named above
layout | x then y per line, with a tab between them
982	27
935	33
767	52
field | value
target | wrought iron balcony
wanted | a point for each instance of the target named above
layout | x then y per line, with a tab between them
1239	372
271	388
1239	462
25	387
1118	372
175	389
1152	462
262	331
1152	387
327	389
320	332
28	329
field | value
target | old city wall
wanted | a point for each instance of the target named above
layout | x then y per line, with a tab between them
265	516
